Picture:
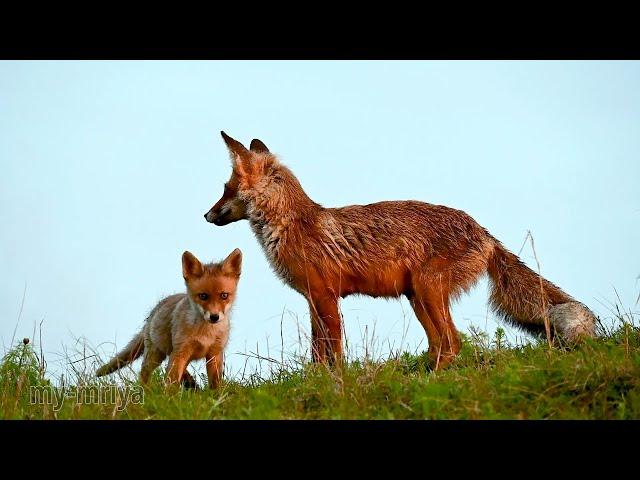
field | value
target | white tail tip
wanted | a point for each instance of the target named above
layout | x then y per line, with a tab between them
573	320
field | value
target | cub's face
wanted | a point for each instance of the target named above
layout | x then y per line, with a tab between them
212	287
212	294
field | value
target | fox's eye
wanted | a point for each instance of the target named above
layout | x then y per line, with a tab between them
224	295
203	296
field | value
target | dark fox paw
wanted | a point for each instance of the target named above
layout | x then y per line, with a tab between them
189	382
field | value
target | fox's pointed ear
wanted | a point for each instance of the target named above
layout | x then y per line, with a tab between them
234	146
258	147
233	263
191	266
240	156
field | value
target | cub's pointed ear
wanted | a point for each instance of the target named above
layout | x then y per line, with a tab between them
240	156
191	266
258	147
233	263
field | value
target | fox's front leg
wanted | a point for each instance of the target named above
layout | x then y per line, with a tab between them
326	330
177	365
215	367
318	346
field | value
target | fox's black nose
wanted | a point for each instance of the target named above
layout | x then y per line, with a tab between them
214	317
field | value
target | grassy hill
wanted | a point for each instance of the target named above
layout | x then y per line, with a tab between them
491	379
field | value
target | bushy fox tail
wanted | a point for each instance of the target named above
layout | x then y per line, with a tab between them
523	298
133	350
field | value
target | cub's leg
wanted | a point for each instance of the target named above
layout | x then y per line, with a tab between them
178	361
215	367
188	381
152	360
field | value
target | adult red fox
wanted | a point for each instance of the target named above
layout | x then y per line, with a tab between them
429	253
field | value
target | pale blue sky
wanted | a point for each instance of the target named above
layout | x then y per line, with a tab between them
108	167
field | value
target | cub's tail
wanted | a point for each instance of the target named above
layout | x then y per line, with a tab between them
133	350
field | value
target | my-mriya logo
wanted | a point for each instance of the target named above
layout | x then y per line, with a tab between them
115	395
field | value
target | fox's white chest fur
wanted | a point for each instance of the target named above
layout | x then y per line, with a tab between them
189	327
271	236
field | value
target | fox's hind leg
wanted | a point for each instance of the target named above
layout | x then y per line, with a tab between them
420	309
152	360
188	381
430	303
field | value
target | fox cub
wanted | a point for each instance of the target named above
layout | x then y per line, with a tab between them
187	326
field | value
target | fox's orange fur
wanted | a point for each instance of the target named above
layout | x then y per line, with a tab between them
187	326
429	253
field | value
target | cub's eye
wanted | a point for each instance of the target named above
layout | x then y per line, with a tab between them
203	296
224	295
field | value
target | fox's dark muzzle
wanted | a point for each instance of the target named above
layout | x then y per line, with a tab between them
210	216
214	317
218	217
